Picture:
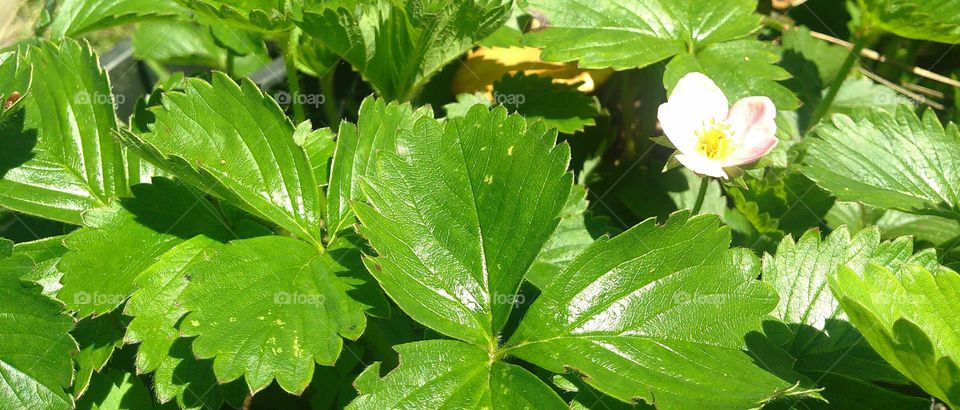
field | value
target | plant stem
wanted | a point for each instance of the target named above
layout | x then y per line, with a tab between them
704	183
293	80
231	64
824	105
329	103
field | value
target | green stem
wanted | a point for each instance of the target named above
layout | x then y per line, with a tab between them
329	104
293	80
824	105
231	64
704	183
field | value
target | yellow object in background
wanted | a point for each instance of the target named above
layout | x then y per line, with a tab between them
485	65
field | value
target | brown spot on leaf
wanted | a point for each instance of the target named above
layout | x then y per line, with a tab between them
11	100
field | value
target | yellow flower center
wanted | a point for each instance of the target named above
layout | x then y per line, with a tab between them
713	140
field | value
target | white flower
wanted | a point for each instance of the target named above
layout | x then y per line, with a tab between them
709	135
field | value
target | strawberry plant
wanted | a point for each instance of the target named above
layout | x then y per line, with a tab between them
380	204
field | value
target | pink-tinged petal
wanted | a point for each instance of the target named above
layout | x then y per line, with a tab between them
754	128
695	100
702	165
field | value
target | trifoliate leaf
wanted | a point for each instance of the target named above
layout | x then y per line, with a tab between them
53	167
458	213
812	329
909	317
114	389
536	97
356	151
658	314
274	301
123	240
398	46
75	17
234	142
452	374
637	33
934	20
35	346
889	160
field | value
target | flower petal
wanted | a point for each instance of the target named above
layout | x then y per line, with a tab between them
752	120
702	165
695	100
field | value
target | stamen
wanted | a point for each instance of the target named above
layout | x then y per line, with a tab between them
713	140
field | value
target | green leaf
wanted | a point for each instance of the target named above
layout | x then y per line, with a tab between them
620	314
97	337
560	106
909	316
458	213
156	313
889	160
398	46
452	374
273	301
15	77
44	255
234	142
123	240
35	346
59	159
114	389
705	35
575	232
356	151
741	68
892	223
813	331
464	103
75	17
254	15
934	20
187	43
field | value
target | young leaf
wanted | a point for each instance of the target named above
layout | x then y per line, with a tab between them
560	106
35	346
123	240
356	150
611	33
254	15
452	374
812	329
273	301
398	46
658	313
934	20
59	158
75	17
234	142
458	213
909	316
889	160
